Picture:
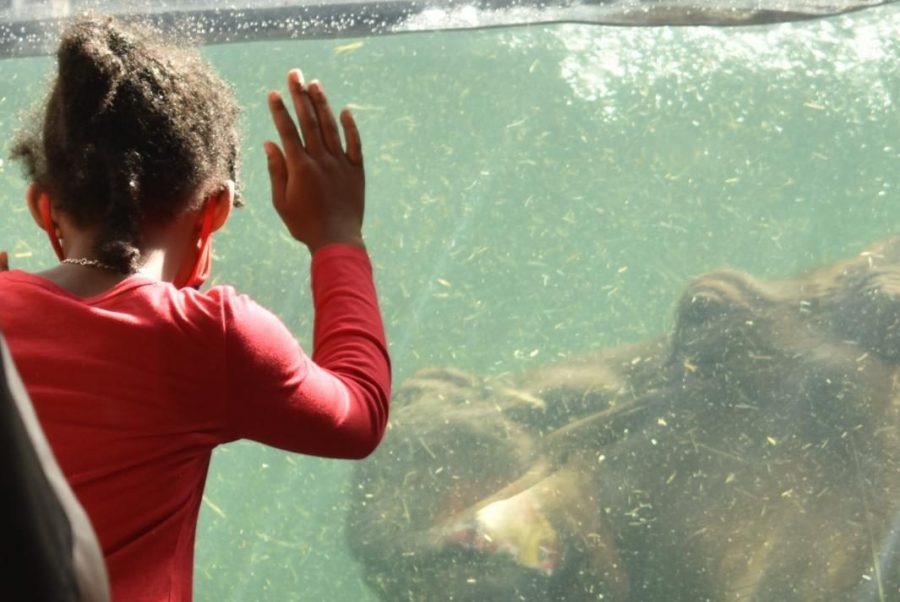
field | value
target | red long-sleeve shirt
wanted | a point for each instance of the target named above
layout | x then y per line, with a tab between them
136	386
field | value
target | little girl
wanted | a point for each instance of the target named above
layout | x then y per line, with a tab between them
136	375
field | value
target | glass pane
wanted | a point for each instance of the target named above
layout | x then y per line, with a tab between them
538	198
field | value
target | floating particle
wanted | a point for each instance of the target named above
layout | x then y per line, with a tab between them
352	46
209	503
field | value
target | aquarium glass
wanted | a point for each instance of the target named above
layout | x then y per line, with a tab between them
533	193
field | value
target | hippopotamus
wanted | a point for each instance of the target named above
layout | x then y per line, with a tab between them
751	454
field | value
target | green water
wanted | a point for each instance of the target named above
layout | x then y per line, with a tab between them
533	193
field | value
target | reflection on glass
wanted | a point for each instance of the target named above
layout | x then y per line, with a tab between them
550	211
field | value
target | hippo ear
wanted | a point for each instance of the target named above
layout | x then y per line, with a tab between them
561	393
430	384
521	406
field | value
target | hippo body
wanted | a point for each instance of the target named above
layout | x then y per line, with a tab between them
751	455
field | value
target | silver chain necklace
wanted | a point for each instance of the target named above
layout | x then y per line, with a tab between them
94	263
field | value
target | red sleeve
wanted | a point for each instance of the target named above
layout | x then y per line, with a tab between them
334	405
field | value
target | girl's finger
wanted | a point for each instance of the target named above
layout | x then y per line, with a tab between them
330	135
351	134
287	130
277	173
306	113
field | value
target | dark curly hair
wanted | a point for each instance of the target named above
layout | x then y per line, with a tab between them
133	127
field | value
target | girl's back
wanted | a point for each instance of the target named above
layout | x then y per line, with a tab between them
135	375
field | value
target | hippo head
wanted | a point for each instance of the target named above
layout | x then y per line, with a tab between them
752	454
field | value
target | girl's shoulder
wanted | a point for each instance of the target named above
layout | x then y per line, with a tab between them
239	311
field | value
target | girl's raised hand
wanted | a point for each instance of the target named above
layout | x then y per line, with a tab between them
318	188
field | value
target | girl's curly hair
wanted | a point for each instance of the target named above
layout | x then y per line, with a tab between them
133	127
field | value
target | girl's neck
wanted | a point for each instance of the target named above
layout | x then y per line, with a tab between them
83	281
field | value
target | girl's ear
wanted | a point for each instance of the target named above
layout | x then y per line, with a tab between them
42	212
224	201
33	196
